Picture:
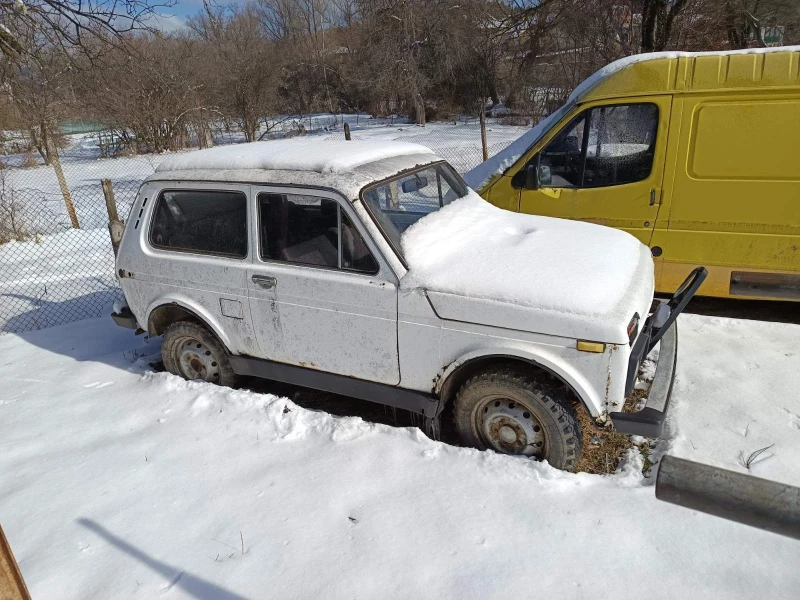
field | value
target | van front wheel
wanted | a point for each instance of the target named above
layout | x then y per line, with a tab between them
191	351
508	411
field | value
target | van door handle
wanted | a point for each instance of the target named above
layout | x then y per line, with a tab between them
265	281
652	197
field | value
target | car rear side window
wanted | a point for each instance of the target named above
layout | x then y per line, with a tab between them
311	230
208	222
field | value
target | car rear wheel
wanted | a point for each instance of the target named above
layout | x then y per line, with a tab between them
512	412
191	351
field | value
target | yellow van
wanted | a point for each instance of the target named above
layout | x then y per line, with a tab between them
697	155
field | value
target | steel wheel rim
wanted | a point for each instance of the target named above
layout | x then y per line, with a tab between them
196	360
510	427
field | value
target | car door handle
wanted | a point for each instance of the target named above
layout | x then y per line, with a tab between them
265	281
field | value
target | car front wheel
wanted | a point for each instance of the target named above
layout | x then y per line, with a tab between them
511	412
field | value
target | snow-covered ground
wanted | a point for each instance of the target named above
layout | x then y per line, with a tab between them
118	482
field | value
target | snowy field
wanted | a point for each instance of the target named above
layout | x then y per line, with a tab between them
118	482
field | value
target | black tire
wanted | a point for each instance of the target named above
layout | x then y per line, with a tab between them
191	351
500	403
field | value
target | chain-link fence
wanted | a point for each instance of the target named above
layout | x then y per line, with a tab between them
52	273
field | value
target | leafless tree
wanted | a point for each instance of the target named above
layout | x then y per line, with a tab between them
67	24
244	66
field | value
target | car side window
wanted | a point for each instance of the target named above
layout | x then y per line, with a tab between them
204	221
603	146
311	230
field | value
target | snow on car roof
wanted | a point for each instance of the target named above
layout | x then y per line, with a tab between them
500	162
308	154
348	182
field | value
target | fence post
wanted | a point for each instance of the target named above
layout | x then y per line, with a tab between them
347	131
115	226
484	147
12	585
62	183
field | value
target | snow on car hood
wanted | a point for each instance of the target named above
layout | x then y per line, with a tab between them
481	264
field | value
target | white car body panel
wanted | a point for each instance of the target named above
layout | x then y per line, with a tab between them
369	327
335	321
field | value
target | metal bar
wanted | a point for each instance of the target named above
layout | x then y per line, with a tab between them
389	395
749	500
484	146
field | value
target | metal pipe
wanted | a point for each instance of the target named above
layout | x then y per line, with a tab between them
753	501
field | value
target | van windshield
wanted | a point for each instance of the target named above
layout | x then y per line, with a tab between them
398	203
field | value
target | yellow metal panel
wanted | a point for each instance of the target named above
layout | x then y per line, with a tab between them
701	73
733	207
765	135
502	195
642	78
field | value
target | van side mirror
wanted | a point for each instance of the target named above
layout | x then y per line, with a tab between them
531	178
544	176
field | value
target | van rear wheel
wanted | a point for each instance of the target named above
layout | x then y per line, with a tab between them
191	351
506	410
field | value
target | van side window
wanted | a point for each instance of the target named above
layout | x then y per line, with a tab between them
603	146
309	230
563	155
621	144
209	222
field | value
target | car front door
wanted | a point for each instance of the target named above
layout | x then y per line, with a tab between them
605	166
320	295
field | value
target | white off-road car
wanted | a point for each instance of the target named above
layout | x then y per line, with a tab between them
370	269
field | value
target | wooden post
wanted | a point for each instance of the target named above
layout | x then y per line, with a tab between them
483	135
115	226
347	131
12	585
62	183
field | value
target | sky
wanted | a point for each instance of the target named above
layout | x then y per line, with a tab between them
174	17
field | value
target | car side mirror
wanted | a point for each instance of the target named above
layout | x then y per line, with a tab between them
412	185
544	176
531	178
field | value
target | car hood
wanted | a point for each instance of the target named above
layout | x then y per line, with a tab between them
480	264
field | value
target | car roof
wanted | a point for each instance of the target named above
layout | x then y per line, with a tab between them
345	166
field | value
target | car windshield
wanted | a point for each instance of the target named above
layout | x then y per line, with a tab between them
400	202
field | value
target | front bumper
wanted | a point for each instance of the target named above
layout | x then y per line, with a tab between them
661	326
649	422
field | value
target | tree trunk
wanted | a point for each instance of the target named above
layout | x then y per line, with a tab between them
419	110
649	24
40	142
